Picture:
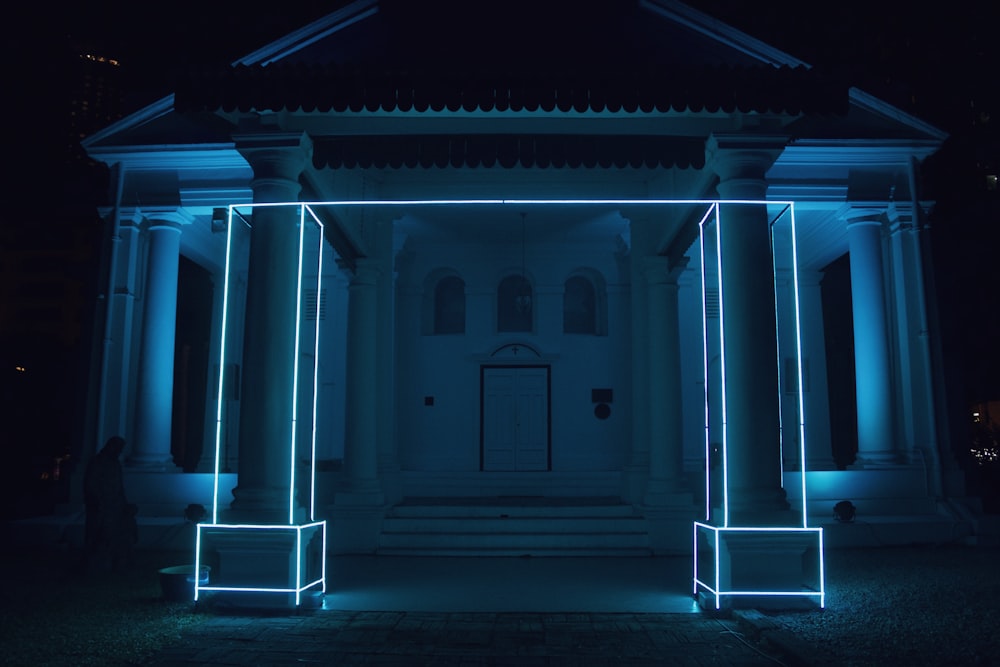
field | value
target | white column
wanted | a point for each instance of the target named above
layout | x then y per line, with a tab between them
388	460
871	341
407	328
750	345
155	386
262	492
114	417
819	447
636	469
361	485
665	409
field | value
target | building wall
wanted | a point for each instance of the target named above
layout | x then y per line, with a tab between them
445	436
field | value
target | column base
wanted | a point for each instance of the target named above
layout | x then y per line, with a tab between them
668	521
150	463
634	483
253	505
356	522
881	459
762	508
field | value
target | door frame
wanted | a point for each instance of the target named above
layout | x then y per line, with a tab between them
548	411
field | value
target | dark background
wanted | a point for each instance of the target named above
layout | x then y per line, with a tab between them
936	61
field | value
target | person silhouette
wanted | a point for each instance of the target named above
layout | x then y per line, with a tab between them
109	531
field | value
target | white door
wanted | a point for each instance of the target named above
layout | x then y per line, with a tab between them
515	418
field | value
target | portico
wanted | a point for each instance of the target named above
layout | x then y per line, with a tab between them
512	299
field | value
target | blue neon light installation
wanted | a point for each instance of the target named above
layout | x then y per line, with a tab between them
304	533
711	227
711	251
713	584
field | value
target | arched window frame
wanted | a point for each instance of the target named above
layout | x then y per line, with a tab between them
435	321
598	326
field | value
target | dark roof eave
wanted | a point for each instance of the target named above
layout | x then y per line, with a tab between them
765	89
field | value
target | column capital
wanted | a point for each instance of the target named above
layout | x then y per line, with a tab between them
362	271
277	160
863	213
741	162
900	217
166	218
659	270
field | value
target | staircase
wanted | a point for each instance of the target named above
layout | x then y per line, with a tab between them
514	526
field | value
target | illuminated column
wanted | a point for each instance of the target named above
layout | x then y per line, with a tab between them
750	343
262	493
917	414
664	380
155	387
819	448
116	352
871	342
361	485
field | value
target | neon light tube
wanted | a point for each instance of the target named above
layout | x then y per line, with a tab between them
722	365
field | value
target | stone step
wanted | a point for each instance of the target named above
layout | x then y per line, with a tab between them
546	524
510	510
514	527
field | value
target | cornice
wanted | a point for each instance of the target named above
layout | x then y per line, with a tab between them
174	156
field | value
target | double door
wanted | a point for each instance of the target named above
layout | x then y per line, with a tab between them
515	431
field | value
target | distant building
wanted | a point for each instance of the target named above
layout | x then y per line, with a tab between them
473	352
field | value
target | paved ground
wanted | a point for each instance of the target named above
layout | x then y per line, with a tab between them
485	611
481	638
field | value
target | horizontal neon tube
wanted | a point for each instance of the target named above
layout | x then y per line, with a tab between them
758	529
250	589
261	526
514	202
785	593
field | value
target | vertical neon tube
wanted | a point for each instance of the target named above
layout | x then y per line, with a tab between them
718	576
315	401
197	560
777	351
694	550
298	565
822	571
704	340
222	364
722	365
295	368
798	356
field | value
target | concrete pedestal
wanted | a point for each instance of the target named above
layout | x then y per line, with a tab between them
264	566
760	568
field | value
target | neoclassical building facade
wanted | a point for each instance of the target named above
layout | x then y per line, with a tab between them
513	305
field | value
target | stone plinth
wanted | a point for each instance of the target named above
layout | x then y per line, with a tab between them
763	568
269	566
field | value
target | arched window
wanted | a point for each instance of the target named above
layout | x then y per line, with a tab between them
579	306
449	306
514	304
585	303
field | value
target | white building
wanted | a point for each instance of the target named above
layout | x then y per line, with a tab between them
537	363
